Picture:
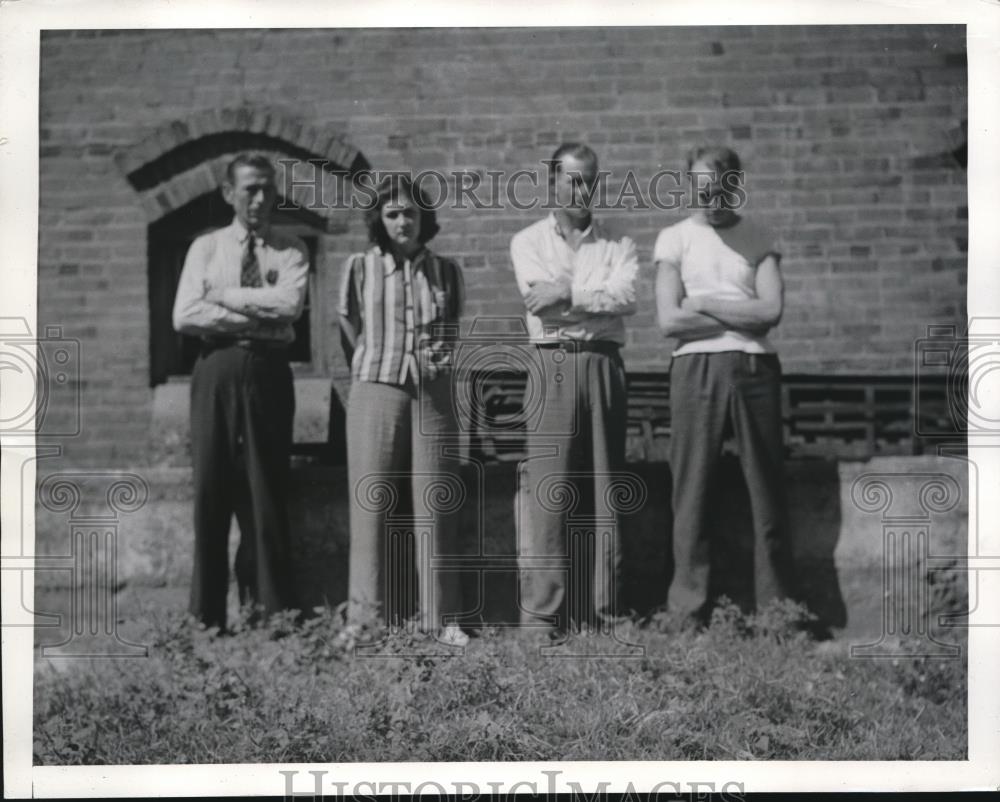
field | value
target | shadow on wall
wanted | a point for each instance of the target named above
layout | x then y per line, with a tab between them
852	522
488	540
815	527
815	520
814	523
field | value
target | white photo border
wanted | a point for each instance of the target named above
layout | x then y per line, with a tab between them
20	26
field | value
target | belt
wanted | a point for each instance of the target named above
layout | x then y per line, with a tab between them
209	344
606	347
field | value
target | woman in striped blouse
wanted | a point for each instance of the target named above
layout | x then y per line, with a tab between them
400	305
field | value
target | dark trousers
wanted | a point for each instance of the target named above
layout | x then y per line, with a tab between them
242	404
573	456
398	436
709	393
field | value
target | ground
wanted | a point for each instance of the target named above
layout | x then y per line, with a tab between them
742	690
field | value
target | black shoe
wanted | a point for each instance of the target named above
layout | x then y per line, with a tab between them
815	630
694	623
303	615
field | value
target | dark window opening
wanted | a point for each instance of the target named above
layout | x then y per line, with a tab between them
174	354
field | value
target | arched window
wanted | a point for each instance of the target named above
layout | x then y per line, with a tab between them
176	171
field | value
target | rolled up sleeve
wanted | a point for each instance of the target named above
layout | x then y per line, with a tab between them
528	266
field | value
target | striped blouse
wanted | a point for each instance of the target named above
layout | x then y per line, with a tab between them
396	320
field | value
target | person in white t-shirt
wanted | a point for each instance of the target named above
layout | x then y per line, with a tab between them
718	291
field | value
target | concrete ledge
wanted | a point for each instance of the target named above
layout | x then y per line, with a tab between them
840	515
170	430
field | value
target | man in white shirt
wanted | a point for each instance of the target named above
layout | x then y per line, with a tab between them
577	279
719	290
241	289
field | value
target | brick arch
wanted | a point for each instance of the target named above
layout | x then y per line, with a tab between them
185	158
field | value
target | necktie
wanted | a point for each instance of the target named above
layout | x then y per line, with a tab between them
249	267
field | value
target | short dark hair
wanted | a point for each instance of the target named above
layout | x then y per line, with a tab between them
722	158
575	149
248	159
393	187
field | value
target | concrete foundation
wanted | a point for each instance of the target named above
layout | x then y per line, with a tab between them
845	521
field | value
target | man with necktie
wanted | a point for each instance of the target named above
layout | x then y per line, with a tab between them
241	289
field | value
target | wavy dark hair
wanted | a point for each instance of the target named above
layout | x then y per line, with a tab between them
722	158
393	187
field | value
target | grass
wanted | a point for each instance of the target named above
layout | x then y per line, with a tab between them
282	694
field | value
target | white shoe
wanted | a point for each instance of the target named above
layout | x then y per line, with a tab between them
452	635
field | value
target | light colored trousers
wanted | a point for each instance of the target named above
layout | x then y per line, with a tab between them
395	441
575	455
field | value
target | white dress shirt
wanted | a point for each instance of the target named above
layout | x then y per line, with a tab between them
601	272
264	313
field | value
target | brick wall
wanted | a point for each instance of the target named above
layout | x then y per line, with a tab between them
847	136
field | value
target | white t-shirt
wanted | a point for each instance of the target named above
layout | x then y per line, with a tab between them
710	266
